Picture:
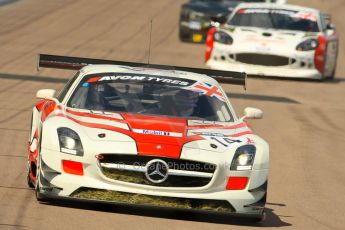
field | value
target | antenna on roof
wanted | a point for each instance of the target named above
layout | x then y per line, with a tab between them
148	59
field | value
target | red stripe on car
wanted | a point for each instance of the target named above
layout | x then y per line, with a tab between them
48	108
241	134
160	142
40	104
93	79
159	145
95	125
241	125
82	114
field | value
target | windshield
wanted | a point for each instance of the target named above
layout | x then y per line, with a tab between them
151	94
276	19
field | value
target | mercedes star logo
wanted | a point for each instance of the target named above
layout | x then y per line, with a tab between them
156	171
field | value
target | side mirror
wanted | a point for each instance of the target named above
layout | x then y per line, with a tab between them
252	113
330	29
46	94
330	26
278	1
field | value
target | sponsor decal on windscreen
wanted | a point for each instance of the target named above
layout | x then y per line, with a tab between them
294	14
141	78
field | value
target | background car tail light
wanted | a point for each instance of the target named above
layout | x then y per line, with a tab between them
319	57
237	183
209	43
73	167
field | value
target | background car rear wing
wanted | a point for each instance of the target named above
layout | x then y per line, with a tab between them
76	63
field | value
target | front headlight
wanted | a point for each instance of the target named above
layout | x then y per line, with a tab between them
197	16
243	158
70	142
307	45
223	37
185	14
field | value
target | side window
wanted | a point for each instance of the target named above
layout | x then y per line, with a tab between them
64	91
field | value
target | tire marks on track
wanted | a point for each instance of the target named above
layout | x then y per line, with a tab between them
313	145
12	226
62	35
142	27
13	116
18	156
326	119
39	17
107	29
22	206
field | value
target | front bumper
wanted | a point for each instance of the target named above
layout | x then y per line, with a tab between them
269	71
273	63
56	183
75	201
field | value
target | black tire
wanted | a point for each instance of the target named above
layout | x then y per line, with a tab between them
335	66
39	195
28	178
259	219
182	39
29	181
332	76
328	78
185	36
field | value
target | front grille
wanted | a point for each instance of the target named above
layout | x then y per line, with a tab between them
178	164
263	59
221	206
132	168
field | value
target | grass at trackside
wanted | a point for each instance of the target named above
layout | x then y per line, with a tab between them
127	176
142	199
139	178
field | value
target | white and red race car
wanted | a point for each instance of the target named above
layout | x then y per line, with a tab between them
123	133
274	40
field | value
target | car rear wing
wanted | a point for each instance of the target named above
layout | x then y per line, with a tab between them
76	63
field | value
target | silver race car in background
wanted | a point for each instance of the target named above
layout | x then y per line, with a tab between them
275	40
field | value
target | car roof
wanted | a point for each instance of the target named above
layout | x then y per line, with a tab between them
94	69
277	6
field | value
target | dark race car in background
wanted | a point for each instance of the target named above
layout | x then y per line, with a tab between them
196	16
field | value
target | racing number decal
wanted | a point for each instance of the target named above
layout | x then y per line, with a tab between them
225	141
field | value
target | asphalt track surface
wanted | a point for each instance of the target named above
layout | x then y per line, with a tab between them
304	121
